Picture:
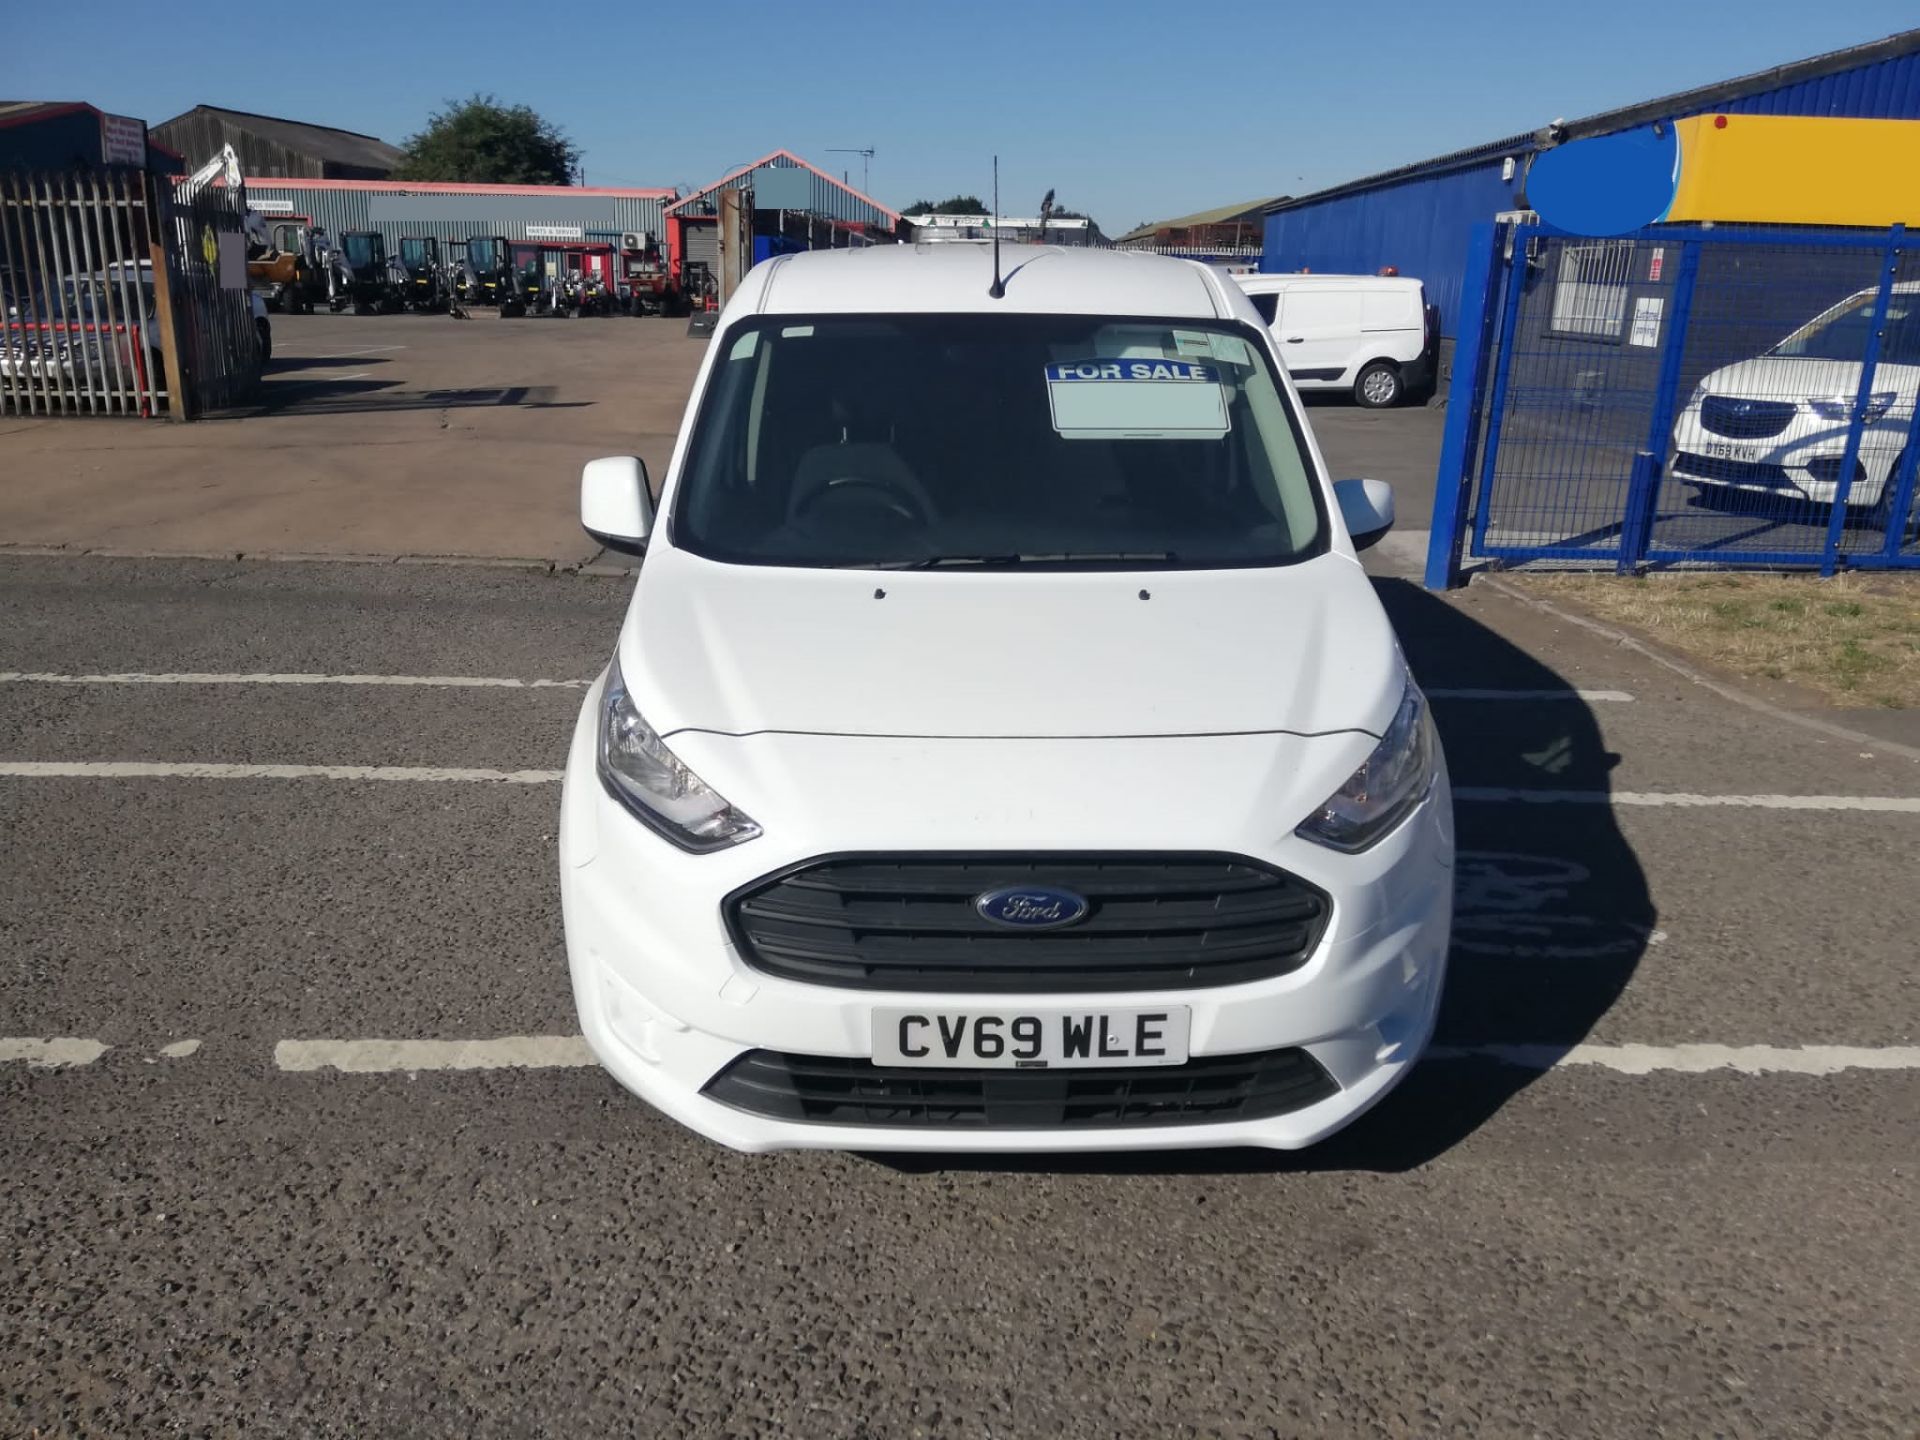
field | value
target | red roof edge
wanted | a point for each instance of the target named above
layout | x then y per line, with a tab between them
707	190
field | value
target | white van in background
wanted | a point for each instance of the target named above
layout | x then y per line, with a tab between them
1372	334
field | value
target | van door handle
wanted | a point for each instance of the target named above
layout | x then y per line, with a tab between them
1295	339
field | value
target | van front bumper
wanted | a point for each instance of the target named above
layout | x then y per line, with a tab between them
667	1003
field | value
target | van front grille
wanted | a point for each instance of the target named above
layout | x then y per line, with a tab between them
909	922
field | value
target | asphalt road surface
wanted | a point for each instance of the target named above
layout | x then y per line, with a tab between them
1659	1178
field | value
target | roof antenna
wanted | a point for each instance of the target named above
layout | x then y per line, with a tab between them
998	290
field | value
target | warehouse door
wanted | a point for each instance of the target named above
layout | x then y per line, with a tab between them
1684	397
703	244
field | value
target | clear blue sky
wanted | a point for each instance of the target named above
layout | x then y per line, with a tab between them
1131	110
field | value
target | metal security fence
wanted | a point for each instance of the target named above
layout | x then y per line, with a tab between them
1702	397
78	333
220	346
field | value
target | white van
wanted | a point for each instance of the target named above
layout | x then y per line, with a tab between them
1004	748
1372	334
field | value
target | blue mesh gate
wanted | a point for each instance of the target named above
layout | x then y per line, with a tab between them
1700	397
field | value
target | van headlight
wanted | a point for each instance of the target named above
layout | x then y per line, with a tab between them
1390	782
641	773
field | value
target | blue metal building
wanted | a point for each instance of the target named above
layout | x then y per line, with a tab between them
1418	218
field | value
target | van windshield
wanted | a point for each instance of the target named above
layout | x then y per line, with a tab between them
924	441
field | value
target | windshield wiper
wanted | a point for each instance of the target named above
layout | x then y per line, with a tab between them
941	562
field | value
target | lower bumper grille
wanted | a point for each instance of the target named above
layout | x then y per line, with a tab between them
1209	1089
1757	473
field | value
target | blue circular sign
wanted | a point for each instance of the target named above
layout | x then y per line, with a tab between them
1031	907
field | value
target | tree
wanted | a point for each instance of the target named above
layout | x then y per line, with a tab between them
956	205
479	140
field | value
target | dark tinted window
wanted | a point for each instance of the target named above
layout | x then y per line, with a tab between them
1020	439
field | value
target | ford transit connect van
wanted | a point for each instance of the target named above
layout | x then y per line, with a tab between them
1004	749
1372	334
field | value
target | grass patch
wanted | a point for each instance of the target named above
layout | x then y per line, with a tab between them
1854	639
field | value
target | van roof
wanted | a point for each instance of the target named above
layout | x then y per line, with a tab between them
954	278
1265	282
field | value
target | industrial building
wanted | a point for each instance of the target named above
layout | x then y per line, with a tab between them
398	209
1418	218
1226	231
274	148
72	135
796	206
1074	230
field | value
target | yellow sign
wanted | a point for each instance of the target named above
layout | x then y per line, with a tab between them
209	247
1798	170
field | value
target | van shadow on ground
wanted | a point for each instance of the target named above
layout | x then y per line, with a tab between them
1552	915
296	395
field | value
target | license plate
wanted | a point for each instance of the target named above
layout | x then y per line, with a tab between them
1722	451
1030	1039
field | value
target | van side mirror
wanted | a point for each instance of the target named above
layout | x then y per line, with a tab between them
616	507
1367	507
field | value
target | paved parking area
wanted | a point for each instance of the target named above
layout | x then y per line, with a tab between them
385	435
1658	1178
427	436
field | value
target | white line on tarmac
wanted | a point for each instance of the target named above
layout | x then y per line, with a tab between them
1895	804
339	354
1472	794
551	1052
447	682
380	1057
1694	1059
1602	697
546	1052
165	770
53	1052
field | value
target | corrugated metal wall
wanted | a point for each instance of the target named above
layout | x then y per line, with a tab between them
199	134
824	196
1422	223
1887	90
600	217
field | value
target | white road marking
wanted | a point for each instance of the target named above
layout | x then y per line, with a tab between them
1473	794
1893	804
169	770
570	1052
1694	1059
1520	906
381	1057
58	1051
194	677
339	354
546	1052
1593	697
